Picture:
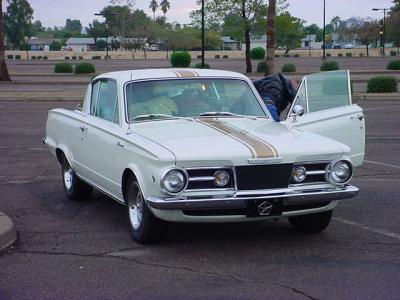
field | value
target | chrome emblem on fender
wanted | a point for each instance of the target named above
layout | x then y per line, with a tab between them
265	208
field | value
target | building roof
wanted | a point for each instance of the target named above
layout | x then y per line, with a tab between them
259	39
88	41
40	41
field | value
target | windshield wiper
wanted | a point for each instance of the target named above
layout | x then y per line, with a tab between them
153	117
224	113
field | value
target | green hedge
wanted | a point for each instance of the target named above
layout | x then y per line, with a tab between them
349	54
393	53
257	53
382	84
199	66
329	66
85	68
340	55
262	67
289	68
180	59
394	65
63	68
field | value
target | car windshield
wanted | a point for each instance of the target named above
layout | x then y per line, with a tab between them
191	98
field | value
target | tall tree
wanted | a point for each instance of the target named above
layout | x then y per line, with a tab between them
96	30
18	22
73	25
288	31
4	76
366	33
336	22
165	6
271	30
154	6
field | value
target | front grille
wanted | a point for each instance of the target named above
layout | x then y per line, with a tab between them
313	178
263	176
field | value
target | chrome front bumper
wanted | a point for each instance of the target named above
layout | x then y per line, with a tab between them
239	199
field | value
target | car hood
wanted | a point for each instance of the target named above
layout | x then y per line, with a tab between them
237	141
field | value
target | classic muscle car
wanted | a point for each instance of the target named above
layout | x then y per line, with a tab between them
200	146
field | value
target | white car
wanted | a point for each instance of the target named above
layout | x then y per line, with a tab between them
200	146
349	46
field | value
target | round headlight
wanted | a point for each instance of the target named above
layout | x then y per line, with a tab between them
299	174
340	172
174	181
221	178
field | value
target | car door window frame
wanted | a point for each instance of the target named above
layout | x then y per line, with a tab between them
306	109
95	101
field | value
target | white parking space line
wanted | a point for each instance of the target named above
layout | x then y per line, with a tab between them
381	164
371	229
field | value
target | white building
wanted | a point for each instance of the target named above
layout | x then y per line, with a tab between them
256	41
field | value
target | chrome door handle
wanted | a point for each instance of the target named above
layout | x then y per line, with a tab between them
119	144
83	128
360	117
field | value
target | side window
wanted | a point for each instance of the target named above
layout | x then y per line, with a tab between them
328	90
105	100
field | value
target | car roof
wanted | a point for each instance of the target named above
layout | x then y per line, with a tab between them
129	75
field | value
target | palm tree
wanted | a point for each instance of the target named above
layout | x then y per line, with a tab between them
271	30
336	22
4	76
154	6
165	6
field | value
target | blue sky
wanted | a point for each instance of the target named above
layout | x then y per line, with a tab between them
54	12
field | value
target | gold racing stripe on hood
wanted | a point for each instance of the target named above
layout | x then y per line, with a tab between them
186	74
258	147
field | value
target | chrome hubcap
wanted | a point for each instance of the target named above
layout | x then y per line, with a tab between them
136	210
68	175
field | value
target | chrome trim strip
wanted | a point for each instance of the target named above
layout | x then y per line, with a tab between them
202	178
293	198
322	172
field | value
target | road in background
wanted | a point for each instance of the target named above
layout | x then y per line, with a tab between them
72	250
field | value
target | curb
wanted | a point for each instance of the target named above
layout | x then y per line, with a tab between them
8	233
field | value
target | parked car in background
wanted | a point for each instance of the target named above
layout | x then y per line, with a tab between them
197	145
67	48
337	46
349	46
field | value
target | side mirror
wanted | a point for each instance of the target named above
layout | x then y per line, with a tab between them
298	110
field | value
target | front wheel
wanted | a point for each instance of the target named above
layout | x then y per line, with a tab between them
74	188
312	223
143	225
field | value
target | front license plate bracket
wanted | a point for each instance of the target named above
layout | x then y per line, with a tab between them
264	208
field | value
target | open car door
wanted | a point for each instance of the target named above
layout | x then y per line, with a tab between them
323	105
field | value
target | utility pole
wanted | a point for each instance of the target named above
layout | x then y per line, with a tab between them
202	34
324	35
105	15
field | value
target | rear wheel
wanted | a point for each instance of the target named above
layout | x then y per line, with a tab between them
143	225
75	188
312	223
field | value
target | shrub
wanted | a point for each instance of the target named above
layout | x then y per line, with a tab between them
289	68
329	66
45	58
198	56
63	68
277	56
40	57
394	65
225	56
349	54
80	57
286	55
297	55
85	68
328	55
180	59
96	57
199	66
33	57
361	54
393	53
262	67
73	57
10	56
382	84
17	56
217	56
67	58
55	46
340	55
257	53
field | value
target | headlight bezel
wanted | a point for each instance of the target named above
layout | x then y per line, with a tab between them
329	171
301	167
165	173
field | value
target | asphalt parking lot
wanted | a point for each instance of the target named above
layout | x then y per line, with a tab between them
70	250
